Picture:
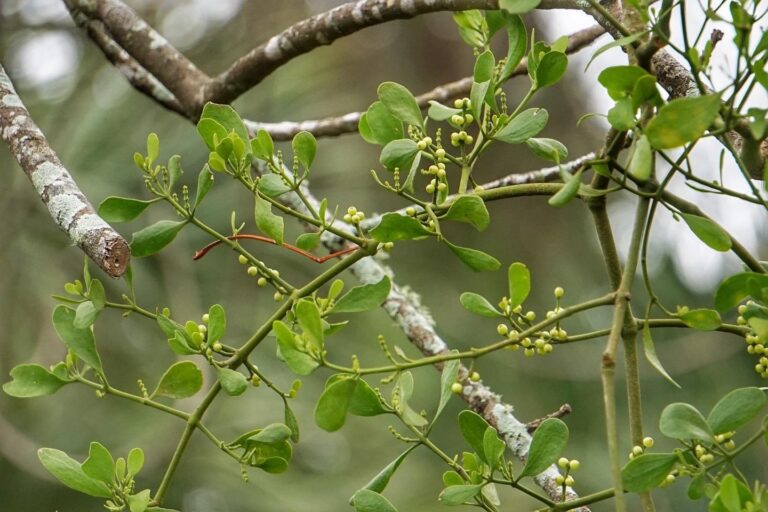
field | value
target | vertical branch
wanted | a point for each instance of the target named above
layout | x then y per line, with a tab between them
67	205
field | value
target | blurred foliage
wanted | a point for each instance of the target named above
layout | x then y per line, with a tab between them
96	122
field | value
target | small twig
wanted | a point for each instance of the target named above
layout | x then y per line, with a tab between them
564	410
317	259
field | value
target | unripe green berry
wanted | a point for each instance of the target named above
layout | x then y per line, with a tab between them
457	388
217	347
467	103
559	479
253	271
574	464
205	318
262	282
742	309
502	329
469	139
562	462
458	103
637	450
530	316
441	187
526	343
351	210
410	211
430	188
474	377
529	352
457	120
255	381
440	153
441	173
278	296
347	218
548	348
559	292
730	445
569	481
468	118
669	479
648	442
242	259
202	328
421	145
427	140
388	246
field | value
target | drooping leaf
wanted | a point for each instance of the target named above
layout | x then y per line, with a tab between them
683	421
650	354
470	209
400	102
379	482
122	209
183	379
568	192
708	232
70	473
30	380
547	444
473	258
153	238
478	305
519	281
363	298
736	409
647	471
80	341
517	38
682	120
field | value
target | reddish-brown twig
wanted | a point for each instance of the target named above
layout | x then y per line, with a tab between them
317	259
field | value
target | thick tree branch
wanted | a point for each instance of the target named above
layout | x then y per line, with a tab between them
67	205
325	28
347	123
150	49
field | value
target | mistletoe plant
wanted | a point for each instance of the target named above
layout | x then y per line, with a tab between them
434	164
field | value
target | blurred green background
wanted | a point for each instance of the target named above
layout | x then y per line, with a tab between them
95	122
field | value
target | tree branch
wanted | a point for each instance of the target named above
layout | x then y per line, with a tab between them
347	123
67	205
325	28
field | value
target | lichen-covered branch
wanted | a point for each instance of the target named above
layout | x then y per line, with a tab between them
67	205
325	28
347	123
